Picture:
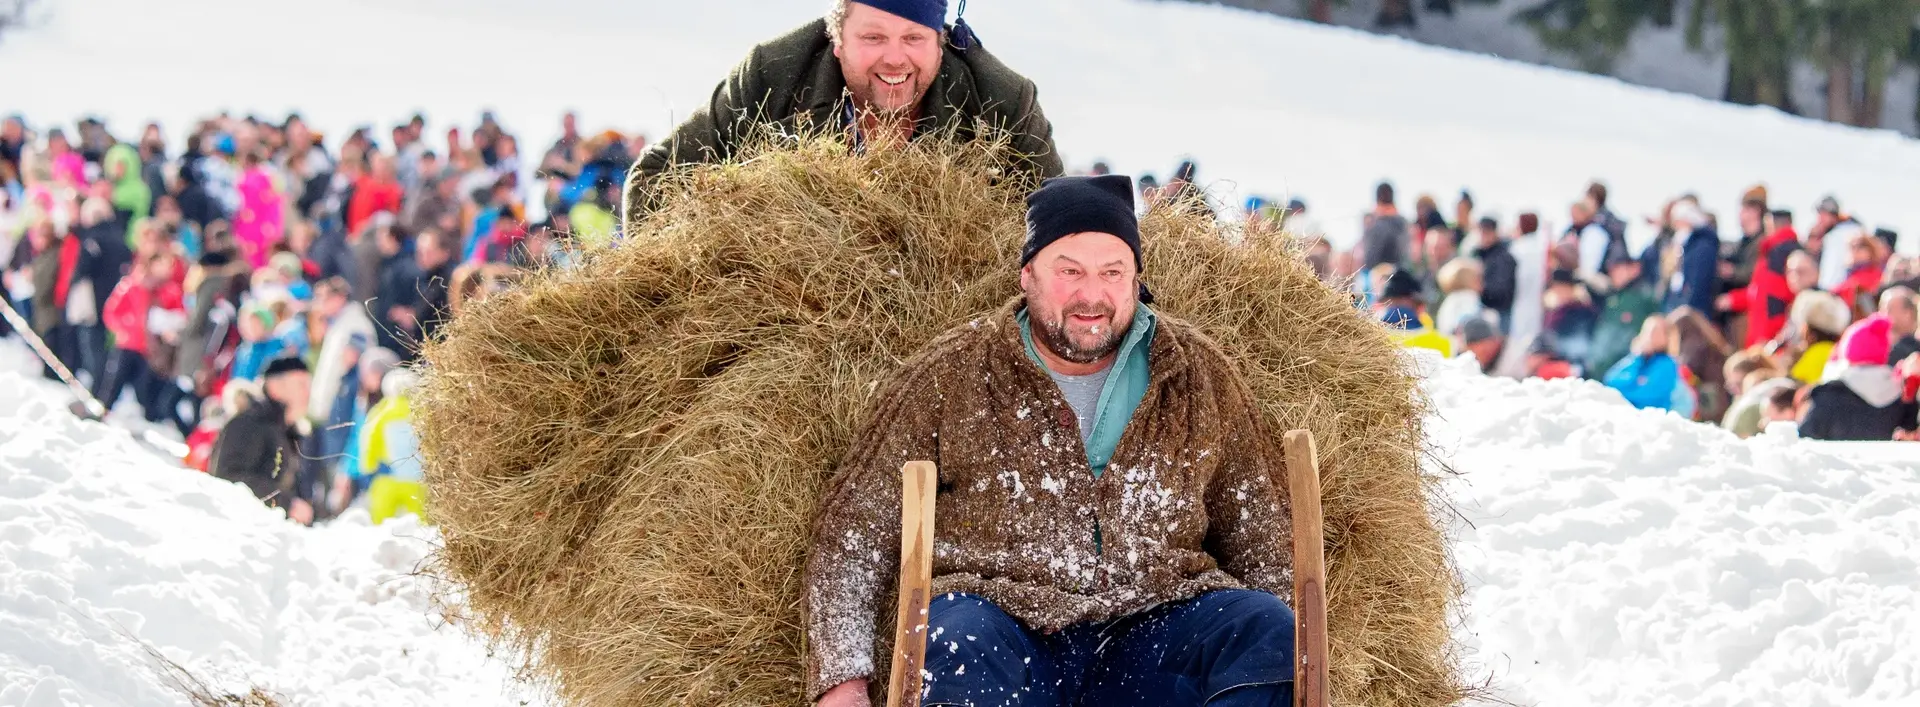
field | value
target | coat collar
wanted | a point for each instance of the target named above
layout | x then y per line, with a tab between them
1166	353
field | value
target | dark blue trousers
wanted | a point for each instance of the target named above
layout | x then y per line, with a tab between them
1229	648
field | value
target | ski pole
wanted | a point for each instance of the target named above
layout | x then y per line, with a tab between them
94	409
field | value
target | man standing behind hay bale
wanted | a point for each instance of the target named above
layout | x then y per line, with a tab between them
1141	565
883	70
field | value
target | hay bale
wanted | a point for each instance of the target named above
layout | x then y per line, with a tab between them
625	457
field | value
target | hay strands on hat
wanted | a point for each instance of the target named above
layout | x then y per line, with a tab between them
626	456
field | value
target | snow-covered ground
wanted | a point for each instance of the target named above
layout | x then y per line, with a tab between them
1615	556
110	553
1267	105
1612	556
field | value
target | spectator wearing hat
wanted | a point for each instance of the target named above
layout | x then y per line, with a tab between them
1401	310
908	73
1817	321
262	446
1859	398
1695	281
1480	340
1571	314
1831	238
1629	300
1651	378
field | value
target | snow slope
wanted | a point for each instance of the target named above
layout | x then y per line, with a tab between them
1267	105
1612	556
1616	556
104	545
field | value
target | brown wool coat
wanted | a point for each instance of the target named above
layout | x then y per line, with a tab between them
1192	501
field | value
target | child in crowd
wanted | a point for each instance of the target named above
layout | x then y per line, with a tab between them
1651	378
257	344
1461	280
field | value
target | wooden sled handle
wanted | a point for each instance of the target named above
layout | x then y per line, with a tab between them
917	485
1309	572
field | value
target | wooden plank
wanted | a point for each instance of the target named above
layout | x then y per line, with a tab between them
1309	572
918	482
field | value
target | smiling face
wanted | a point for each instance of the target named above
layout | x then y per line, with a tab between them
1081	293
888	61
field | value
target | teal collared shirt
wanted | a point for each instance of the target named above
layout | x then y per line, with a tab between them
1126	385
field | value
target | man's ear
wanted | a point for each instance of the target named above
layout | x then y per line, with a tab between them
1026	277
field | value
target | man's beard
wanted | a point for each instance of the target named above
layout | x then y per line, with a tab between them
1054	335
867	91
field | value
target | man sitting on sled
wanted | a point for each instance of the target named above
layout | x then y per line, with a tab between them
1109	528
884	70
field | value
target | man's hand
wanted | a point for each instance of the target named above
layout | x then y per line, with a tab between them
852	693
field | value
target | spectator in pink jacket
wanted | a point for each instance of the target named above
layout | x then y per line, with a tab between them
257	226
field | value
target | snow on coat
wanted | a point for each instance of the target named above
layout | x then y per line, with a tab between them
1189	503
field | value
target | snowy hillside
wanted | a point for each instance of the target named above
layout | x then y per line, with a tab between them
1267	105
1612	556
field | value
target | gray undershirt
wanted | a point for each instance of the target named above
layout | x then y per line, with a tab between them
1083	395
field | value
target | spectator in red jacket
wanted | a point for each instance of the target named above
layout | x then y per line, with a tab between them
377	191
1863	277
148	286
1767	298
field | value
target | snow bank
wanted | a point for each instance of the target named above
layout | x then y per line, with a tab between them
1616	556
104	545
1612	556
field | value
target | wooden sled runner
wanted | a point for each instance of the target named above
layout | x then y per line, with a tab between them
919	480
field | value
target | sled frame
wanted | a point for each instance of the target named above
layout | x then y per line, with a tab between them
1309	572
919	481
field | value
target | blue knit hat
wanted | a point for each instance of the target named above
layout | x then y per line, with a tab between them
931	13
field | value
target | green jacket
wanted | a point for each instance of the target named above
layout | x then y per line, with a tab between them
130	192
794	81
1619	324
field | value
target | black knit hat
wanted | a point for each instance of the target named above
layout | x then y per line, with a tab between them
1401	284
1064	206
285	364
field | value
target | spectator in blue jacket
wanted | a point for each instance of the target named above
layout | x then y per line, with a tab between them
1651	378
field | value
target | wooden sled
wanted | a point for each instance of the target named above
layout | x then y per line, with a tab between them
919	480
